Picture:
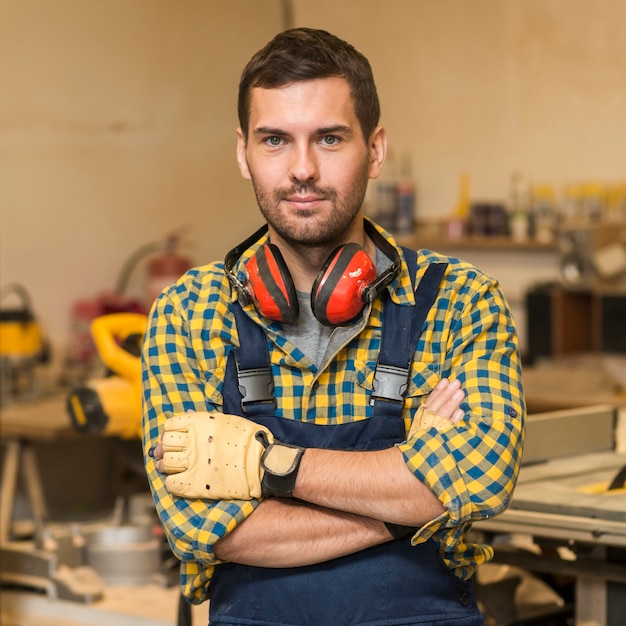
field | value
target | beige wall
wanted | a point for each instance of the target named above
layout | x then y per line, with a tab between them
493	86
117	117
117	126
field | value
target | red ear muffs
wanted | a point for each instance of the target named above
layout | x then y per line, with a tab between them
270	285
337	293
343	285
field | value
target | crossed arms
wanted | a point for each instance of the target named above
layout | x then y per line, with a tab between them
343	500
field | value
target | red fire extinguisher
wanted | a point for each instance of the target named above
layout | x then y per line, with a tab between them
165	268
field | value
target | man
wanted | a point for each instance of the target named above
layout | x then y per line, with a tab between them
306	484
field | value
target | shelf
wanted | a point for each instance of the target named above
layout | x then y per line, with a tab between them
473	243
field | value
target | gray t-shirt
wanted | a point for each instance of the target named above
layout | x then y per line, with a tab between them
310	335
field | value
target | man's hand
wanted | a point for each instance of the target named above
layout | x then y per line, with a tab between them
225	457
441	409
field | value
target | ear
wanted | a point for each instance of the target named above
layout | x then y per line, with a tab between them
378	151
241	155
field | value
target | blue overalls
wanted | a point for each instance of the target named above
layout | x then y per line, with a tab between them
393	583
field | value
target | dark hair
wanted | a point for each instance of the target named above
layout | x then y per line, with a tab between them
300	54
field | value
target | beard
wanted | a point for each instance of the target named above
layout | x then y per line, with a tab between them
313	229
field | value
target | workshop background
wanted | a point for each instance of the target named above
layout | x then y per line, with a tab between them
507	128
118	118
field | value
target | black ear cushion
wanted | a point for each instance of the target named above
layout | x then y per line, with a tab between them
278	283
327	280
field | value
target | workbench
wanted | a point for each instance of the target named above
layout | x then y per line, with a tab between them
563	503
42	583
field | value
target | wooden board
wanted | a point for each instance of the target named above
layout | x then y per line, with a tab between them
42	419
574	486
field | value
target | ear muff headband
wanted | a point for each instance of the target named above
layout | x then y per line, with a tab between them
243	295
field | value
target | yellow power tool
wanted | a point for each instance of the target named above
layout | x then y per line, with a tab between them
111	405
22	346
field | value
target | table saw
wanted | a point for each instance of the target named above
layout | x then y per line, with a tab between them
571	499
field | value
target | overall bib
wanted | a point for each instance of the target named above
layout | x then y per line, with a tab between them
391	584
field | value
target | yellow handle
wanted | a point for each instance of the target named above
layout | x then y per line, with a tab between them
106	330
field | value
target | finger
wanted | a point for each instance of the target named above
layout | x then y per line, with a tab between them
178	422
441	394
457	416
174	441
452	403
437	392
174	462
157	451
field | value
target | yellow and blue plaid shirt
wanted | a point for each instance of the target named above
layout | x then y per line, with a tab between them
472	467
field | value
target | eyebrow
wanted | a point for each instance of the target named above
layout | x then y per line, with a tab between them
338	128
328	130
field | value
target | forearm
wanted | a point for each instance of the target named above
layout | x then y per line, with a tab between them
288	533
376	485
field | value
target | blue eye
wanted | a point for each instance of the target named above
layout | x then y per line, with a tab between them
274	140
330	140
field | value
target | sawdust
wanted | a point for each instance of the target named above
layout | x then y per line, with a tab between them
144	605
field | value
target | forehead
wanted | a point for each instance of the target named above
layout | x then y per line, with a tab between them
321	102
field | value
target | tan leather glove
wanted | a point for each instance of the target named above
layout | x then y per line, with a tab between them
218	456
425	419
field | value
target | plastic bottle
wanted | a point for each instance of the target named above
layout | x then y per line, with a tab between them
405	223
456	226
387	195
519	209
544	213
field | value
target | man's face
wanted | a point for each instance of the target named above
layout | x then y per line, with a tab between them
308	161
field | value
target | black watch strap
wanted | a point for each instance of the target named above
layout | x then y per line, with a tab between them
280	463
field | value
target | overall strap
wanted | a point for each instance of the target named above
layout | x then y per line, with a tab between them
402	327
249	369
249	387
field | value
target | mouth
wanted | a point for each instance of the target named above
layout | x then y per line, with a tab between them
306	202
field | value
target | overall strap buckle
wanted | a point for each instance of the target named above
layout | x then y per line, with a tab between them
255	385
402	327
253	379
390	383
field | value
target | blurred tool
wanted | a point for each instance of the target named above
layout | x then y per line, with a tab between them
164	265
22	346
593	256
112	404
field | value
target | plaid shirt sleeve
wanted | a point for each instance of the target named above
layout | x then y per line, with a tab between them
178	345
473	466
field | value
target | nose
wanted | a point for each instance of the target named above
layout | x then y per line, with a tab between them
304	165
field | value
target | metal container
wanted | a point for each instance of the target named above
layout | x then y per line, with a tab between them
125	555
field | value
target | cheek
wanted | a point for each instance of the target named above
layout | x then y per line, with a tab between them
266	173
340	173
357	174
